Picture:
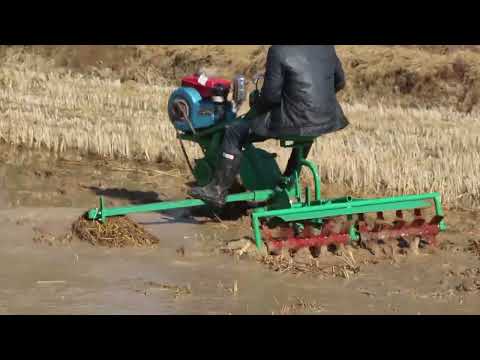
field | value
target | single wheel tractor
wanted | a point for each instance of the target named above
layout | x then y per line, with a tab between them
288	216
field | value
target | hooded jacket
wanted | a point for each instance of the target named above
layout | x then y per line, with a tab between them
299	91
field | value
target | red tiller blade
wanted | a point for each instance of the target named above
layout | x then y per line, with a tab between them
296	243
287	238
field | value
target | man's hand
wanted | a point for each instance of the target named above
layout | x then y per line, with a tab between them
254	96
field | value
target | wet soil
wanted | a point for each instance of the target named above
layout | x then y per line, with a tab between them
199	266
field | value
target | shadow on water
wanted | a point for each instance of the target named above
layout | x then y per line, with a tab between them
134	197
148	197
231	212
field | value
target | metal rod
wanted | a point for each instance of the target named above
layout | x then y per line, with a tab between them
351	205
102	212
316	177
439	211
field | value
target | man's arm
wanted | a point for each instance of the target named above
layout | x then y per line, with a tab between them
271	95
339	75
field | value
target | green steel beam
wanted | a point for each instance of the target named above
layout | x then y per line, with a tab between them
316	177
103	213
382	204
324	211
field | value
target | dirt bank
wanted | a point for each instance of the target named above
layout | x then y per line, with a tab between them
413	76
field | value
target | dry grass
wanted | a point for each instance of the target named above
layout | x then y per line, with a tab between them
474	247
61	111
413	76
116	233
387	150
404	76
301	306
392	151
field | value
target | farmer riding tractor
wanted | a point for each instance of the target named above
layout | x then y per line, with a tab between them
288	216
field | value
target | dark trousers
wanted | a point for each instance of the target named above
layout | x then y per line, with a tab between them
236	137
240	133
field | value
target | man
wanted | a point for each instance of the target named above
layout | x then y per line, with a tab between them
298	98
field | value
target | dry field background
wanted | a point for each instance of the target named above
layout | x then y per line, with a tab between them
414	76
415	125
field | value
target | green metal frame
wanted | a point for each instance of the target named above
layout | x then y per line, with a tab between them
286	201
102	213
209	141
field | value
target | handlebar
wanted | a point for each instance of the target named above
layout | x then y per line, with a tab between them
257	78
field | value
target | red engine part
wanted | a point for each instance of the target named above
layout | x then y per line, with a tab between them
207	90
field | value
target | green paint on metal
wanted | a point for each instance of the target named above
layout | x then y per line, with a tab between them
308	196
323	211
102	212
280	200
203	172
439	211
353	233
257	231
316	177
298	188
259	169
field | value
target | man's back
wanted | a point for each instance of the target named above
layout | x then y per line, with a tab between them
298	99
300	87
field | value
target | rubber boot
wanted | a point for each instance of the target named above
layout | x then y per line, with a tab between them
216	192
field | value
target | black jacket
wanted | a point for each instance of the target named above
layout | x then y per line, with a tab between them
299	91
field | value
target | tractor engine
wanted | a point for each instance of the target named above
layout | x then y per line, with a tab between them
202	102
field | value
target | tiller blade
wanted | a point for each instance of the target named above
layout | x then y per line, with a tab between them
382	233
334	232
310	237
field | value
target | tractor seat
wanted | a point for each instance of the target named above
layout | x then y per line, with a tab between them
293	142
301	147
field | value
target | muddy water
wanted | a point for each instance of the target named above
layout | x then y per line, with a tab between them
187	274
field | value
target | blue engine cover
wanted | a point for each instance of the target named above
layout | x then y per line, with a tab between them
201	112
